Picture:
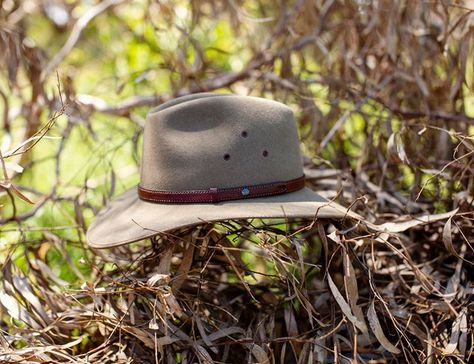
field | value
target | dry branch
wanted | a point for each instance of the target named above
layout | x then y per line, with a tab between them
381	92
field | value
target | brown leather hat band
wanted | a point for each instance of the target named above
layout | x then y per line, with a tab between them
213	195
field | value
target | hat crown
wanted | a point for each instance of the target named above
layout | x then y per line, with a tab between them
205	141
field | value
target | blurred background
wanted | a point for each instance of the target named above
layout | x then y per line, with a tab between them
382	92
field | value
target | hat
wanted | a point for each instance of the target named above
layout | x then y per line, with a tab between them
210	157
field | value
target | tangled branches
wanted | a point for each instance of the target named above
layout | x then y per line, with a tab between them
243	292
383	96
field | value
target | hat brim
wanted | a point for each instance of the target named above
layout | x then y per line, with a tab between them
128	219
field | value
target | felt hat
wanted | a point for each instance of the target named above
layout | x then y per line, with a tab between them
211	157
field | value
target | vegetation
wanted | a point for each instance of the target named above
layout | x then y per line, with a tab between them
383	94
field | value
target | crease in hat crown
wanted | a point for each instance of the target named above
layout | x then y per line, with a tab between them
211	140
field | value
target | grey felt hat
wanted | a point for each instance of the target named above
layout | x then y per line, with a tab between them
212	157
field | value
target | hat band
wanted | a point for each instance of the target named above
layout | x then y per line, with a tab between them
213	195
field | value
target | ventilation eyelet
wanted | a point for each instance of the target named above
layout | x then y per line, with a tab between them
265	153
244	134
226	157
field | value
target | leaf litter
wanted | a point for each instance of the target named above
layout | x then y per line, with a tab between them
194	296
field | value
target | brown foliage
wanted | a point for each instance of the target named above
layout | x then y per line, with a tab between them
381	90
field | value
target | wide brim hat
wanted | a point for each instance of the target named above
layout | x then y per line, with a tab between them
212	157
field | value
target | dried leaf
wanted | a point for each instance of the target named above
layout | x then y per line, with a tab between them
158	279
345	306
172	303
447	237
185	266
458	328
140	334
22	286
465	330
16	311
290	322
165	260
14	167
259	354
17	192
204	355
44	268
203	333
400	226
377	330
297	243
226	332
396	149
352	292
